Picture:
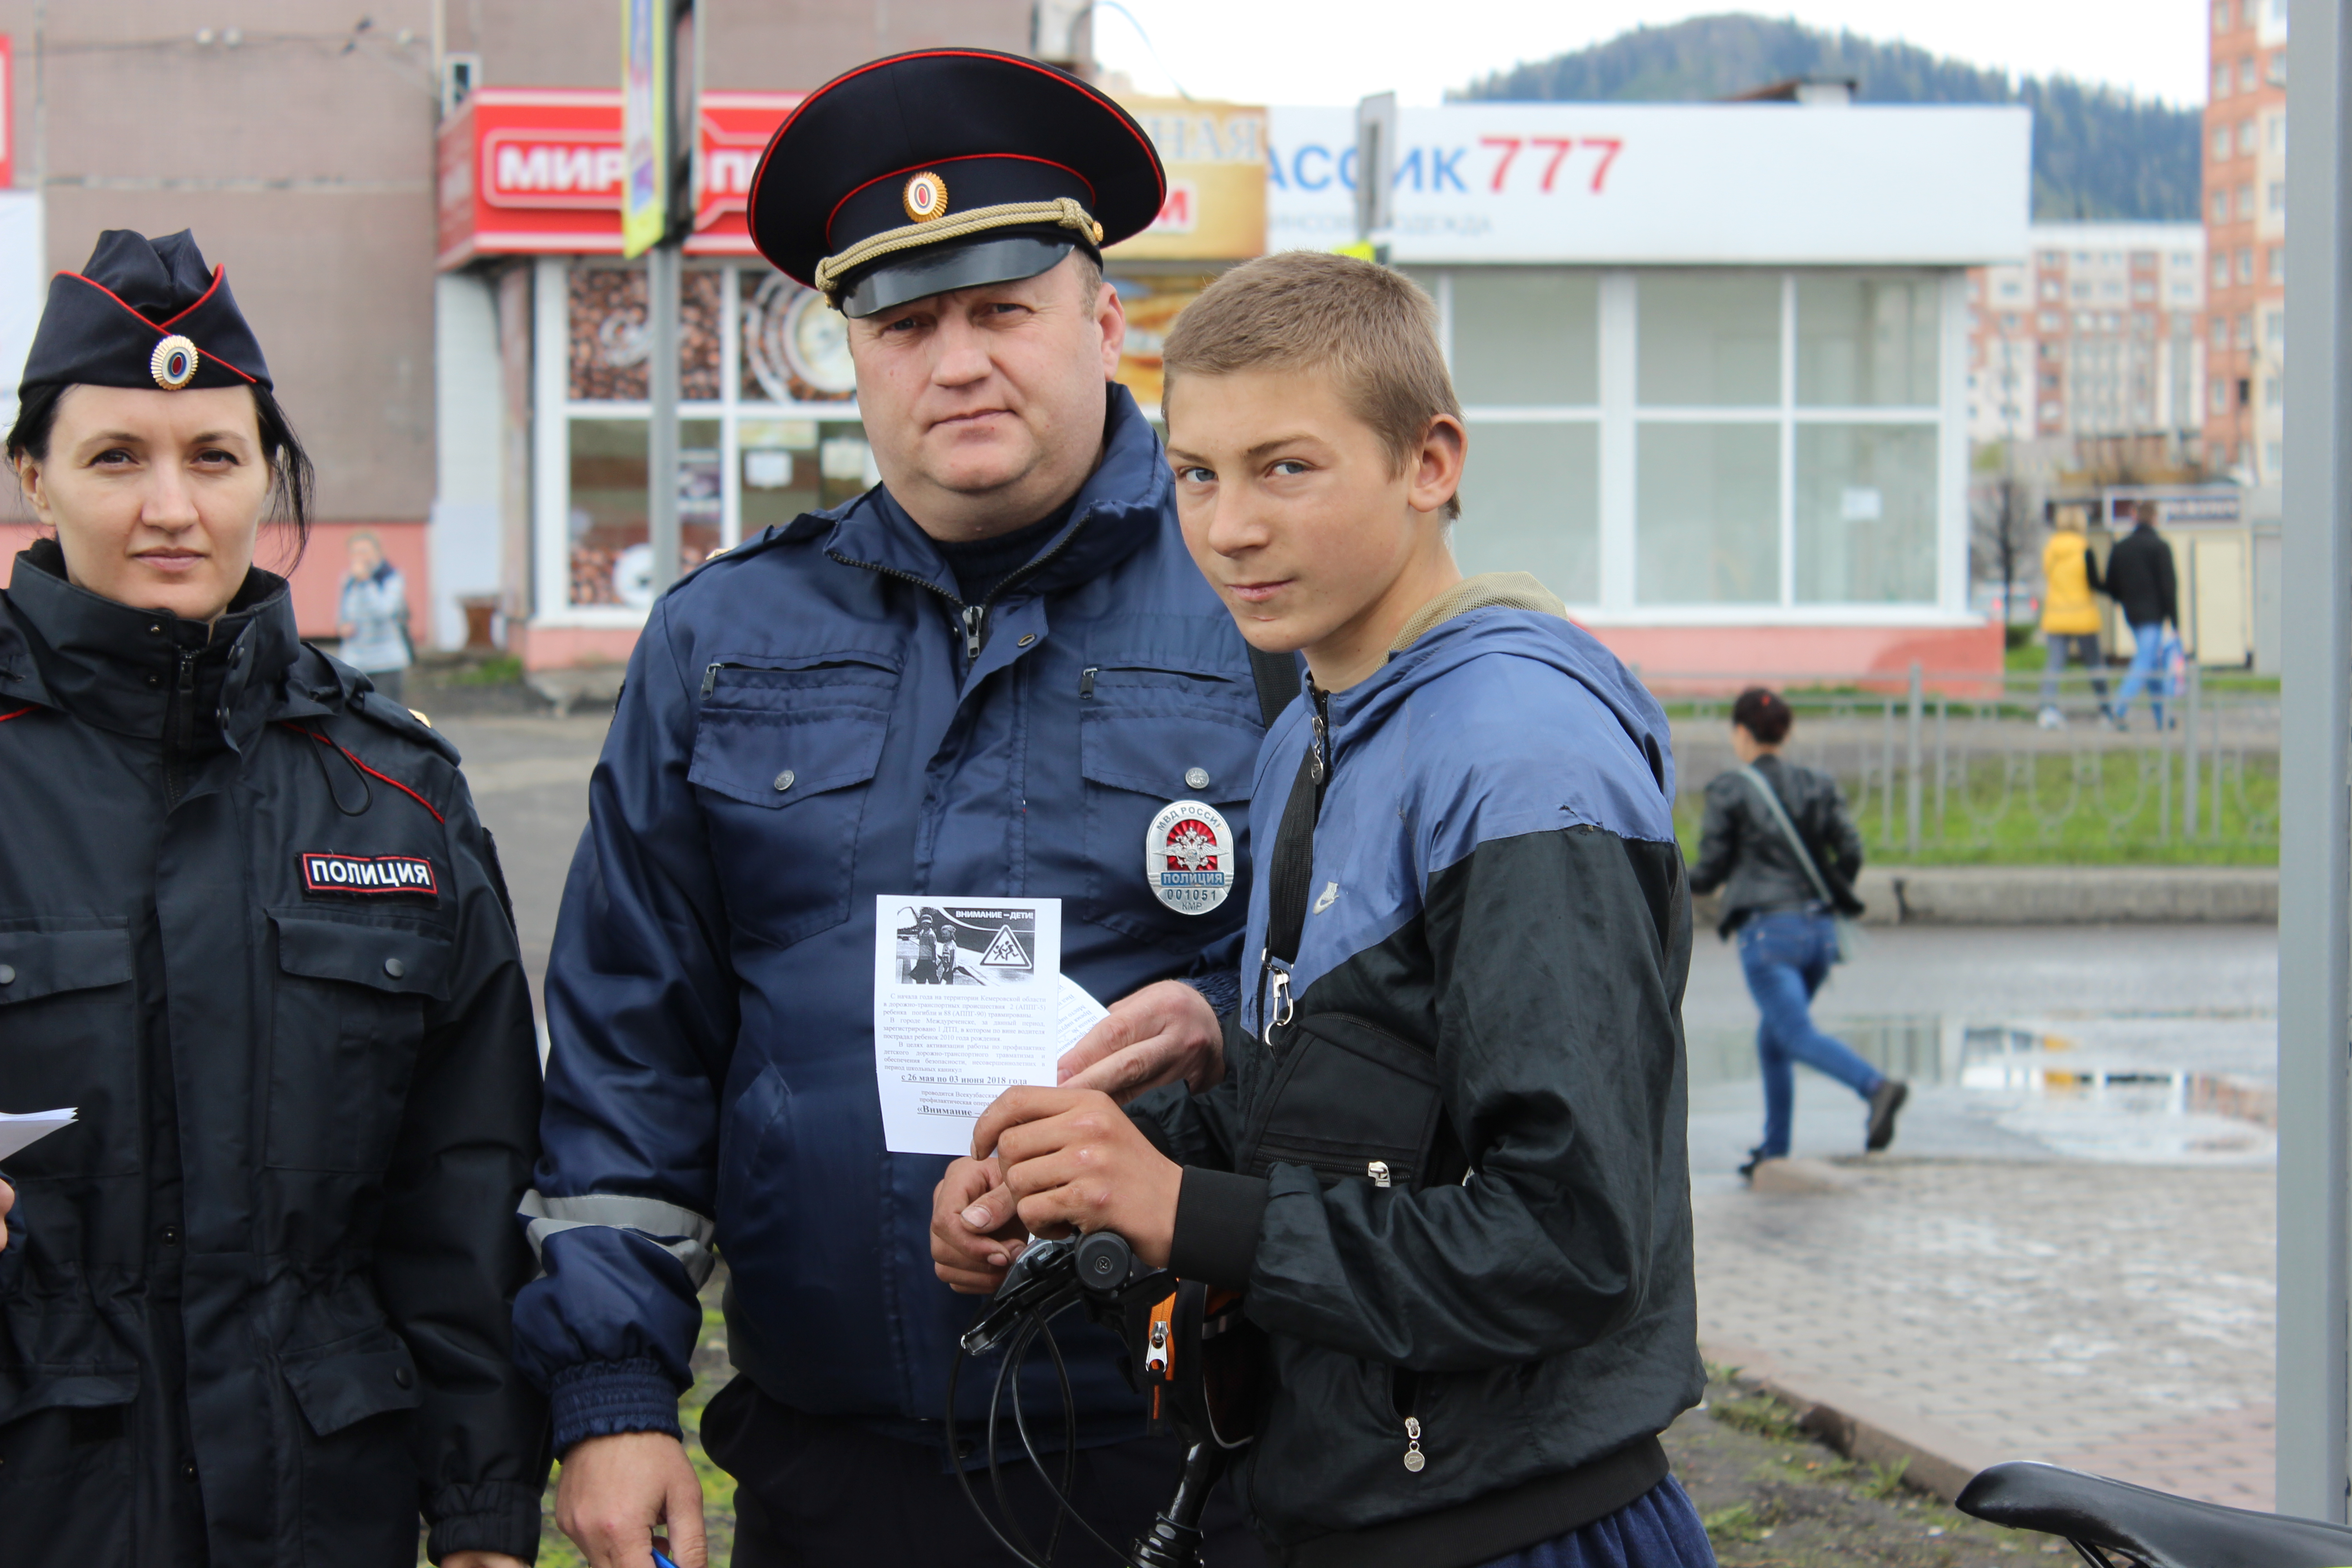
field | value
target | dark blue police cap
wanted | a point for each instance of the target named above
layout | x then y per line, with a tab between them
143	313
943	169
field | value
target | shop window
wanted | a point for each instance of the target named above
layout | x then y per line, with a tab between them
1707	509
610	337
1531	502
1152	305
787	467
1865	514
1865	341
795	346
1526	335
1709	341
611	562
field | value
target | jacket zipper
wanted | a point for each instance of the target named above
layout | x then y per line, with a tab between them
177	726
973	618
1404	1393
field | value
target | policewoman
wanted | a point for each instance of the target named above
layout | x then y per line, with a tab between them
998	673
255	1301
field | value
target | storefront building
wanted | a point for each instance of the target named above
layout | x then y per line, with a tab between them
1713	357
542	352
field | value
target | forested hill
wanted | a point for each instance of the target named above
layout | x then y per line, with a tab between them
2097	153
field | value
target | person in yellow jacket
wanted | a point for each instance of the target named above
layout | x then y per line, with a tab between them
2069	612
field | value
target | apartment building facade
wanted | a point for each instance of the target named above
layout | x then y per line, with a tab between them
2098	332
2245	229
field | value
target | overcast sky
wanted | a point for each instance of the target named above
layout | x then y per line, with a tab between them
1334	51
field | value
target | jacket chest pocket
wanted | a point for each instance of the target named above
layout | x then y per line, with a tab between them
70	1037
785	751
1351	1099
347	1019
1146	738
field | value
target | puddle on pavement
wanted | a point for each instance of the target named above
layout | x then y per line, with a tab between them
2153	1089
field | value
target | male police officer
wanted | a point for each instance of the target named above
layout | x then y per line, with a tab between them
988	677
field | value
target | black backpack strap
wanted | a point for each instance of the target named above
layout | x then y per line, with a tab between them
1292	864
1276	674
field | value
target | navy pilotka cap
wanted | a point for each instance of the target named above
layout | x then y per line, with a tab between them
944	168
143	313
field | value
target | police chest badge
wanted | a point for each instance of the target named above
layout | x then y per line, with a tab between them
1188	857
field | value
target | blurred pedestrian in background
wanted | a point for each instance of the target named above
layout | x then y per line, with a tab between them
2141	582
2070	611
1777	840
373	618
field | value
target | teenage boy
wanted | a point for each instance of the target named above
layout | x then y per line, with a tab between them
1446	1157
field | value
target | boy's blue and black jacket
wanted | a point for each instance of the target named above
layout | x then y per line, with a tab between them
804	727
1499	932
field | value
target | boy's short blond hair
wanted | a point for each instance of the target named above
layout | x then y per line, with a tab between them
1372	330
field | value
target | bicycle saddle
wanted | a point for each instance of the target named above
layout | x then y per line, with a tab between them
2152	1528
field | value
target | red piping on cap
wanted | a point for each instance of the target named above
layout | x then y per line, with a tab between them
1158	175
218	273
119	301
19	713
942	162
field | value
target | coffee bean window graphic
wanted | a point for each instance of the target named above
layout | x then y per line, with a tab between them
610	335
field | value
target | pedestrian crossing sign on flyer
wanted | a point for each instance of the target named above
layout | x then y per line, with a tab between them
1005	952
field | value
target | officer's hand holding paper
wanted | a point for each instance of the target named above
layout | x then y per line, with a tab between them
967	1002
18	1130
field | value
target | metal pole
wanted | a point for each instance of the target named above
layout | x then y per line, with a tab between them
2189	776
2315	864
1886	779
2213	806
1911	766
661	430
1943	767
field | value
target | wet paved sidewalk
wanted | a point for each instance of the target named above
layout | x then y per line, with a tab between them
2112	1317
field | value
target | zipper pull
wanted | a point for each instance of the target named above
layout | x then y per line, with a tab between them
185	721
1379	1171
974	618
1087	681
709	678
1413	1457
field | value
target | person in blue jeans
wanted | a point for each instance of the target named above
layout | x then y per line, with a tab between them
2141	581
1780	900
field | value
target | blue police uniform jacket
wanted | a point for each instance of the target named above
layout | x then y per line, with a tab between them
804	727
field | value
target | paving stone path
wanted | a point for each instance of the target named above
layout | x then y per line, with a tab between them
2111	1317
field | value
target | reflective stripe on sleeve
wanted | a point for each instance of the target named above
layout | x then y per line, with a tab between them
682	1233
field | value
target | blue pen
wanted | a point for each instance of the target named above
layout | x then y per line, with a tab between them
662	1562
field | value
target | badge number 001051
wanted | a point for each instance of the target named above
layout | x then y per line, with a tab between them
1188	857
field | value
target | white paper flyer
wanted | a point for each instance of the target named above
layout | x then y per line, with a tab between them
967	1002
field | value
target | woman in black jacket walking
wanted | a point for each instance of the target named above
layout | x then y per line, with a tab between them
254	1301
1773	902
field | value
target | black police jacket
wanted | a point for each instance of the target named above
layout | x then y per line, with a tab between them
1742	850
253	1306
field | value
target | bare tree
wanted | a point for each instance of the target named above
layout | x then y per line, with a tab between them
2001	524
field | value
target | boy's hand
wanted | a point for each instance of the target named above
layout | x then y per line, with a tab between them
975	1235
1155	1035
1074	1162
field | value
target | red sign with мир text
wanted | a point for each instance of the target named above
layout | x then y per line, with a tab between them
526	171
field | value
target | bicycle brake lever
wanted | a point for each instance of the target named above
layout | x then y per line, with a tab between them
1043	1279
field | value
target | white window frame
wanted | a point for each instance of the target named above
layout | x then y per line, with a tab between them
553	409
1619	416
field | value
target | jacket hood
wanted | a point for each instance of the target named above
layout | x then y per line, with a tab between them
1508	613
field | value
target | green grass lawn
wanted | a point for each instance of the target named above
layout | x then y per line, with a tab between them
2066	808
